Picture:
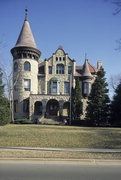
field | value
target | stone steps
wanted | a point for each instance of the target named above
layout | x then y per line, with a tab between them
50	121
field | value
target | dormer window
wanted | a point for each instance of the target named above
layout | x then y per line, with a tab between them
59	58
56	58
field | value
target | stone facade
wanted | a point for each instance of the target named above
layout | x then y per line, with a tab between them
42	89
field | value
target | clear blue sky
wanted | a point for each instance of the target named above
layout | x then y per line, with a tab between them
80	26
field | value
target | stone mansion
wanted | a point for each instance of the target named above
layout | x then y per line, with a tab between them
42	88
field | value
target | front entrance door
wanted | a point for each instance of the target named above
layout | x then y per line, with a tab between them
52	107
53	110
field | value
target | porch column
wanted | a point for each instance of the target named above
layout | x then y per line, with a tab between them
44	103
61	108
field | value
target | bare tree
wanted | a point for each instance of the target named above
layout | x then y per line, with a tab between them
117	4
117	10
115	80
10	83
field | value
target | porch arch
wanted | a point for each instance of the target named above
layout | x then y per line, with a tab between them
38	108
66	108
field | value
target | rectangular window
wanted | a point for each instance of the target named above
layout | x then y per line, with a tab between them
69	69
59	69
41	70
54	87
50	69
87	88
27	84
66	87
15	106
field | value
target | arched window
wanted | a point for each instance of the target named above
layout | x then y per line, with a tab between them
59	69
27	66
15	66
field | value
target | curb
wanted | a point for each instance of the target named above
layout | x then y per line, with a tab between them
62	161
64	149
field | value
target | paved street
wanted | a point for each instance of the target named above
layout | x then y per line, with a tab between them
36	170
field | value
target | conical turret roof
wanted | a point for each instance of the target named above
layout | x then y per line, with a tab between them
26	37
86	72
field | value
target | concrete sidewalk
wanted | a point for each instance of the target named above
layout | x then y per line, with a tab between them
64	149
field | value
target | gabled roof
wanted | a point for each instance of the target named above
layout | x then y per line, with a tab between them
60	48
26	37
92	68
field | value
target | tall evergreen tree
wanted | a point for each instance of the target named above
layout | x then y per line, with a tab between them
98	100
76	101
116	107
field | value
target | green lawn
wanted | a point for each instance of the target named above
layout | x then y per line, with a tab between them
59	136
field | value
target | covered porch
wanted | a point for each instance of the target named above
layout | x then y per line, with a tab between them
54	107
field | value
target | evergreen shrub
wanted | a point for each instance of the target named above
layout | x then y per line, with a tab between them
4	115
23	121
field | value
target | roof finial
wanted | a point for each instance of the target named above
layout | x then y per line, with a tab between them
60	47
26	14
85	56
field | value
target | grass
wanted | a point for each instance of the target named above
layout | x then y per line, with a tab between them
59	136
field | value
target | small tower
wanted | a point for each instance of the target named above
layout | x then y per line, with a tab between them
99	64
87	77
25	70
